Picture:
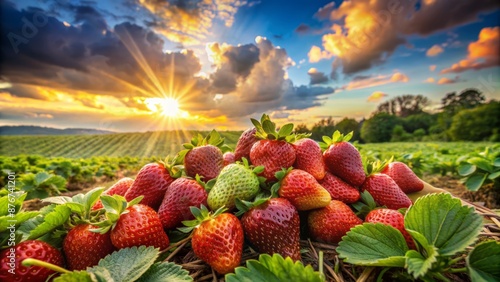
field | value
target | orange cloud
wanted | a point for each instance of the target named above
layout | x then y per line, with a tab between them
432	67
482	53
445	80
399	77
316	54
434	51
371	81
430	80
376	96
189	22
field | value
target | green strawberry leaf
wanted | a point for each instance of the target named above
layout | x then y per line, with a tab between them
274	269
17	219
444	222
75	276
417	264
474	182
373	244
51	221
128	264
165	271
466	169
483	262
481	163
285	130
13	200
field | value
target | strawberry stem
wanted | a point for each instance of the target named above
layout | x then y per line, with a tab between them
320	263
31	261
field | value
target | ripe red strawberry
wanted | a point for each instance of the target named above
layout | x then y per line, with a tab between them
406	179
245	143
385	191
302	190
309	157
84	248
11	259
273	151
151	182
120	188
343	159
339	190
217	239
273	227
393	218
228	158
203	156
330	223
182	194
140	226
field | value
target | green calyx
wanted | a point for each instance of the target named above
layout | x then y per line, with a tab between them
173	165
244	206
336	138
80	206
280	175
200	215
377	166
365	205
213	138
114	206
266	129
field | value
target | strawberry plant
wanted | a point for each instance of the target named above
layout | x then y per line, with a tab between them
42	185
274	269
479	169
441	227
128	264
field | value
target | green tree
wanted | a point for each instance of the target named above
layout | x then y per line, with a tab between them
419	121
405	105
302	128
477	124
325	126
467	99
399	134
347	125
379	128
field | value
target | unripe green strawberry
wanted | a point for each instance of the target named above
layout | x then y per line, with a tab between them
234	181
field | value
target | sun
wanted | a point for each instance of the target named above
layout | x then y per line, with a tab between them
168	107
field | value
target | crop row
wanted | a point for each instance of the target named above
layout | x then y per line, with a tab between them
147	144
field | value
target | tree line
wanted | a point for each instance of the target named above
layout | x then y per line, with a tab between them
464	116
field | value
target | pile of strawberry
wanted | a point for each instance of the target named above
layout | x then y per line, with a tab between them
256	195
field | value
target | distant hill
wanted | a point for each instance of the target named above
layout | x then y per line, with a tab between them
39	130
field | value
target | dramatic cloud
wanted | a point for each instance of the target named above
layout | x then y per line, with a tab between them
482	53
366	32
359	82
376	97
250	91
434	51
189	22
316	54
316	77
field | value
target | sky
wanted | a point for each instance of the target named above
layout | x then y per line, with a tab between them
144	65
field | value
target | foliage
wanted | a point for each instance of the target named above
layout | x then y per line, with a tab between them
324	127
274	269
403	106
379	128
449	227
479	169
476	124
467	99
419	121
130	264
347	125
42	185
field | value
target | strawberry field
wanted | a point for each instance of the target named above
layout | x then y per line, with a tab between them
266	204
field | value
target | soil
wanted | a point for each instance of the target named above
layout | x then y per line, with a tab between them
487	196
